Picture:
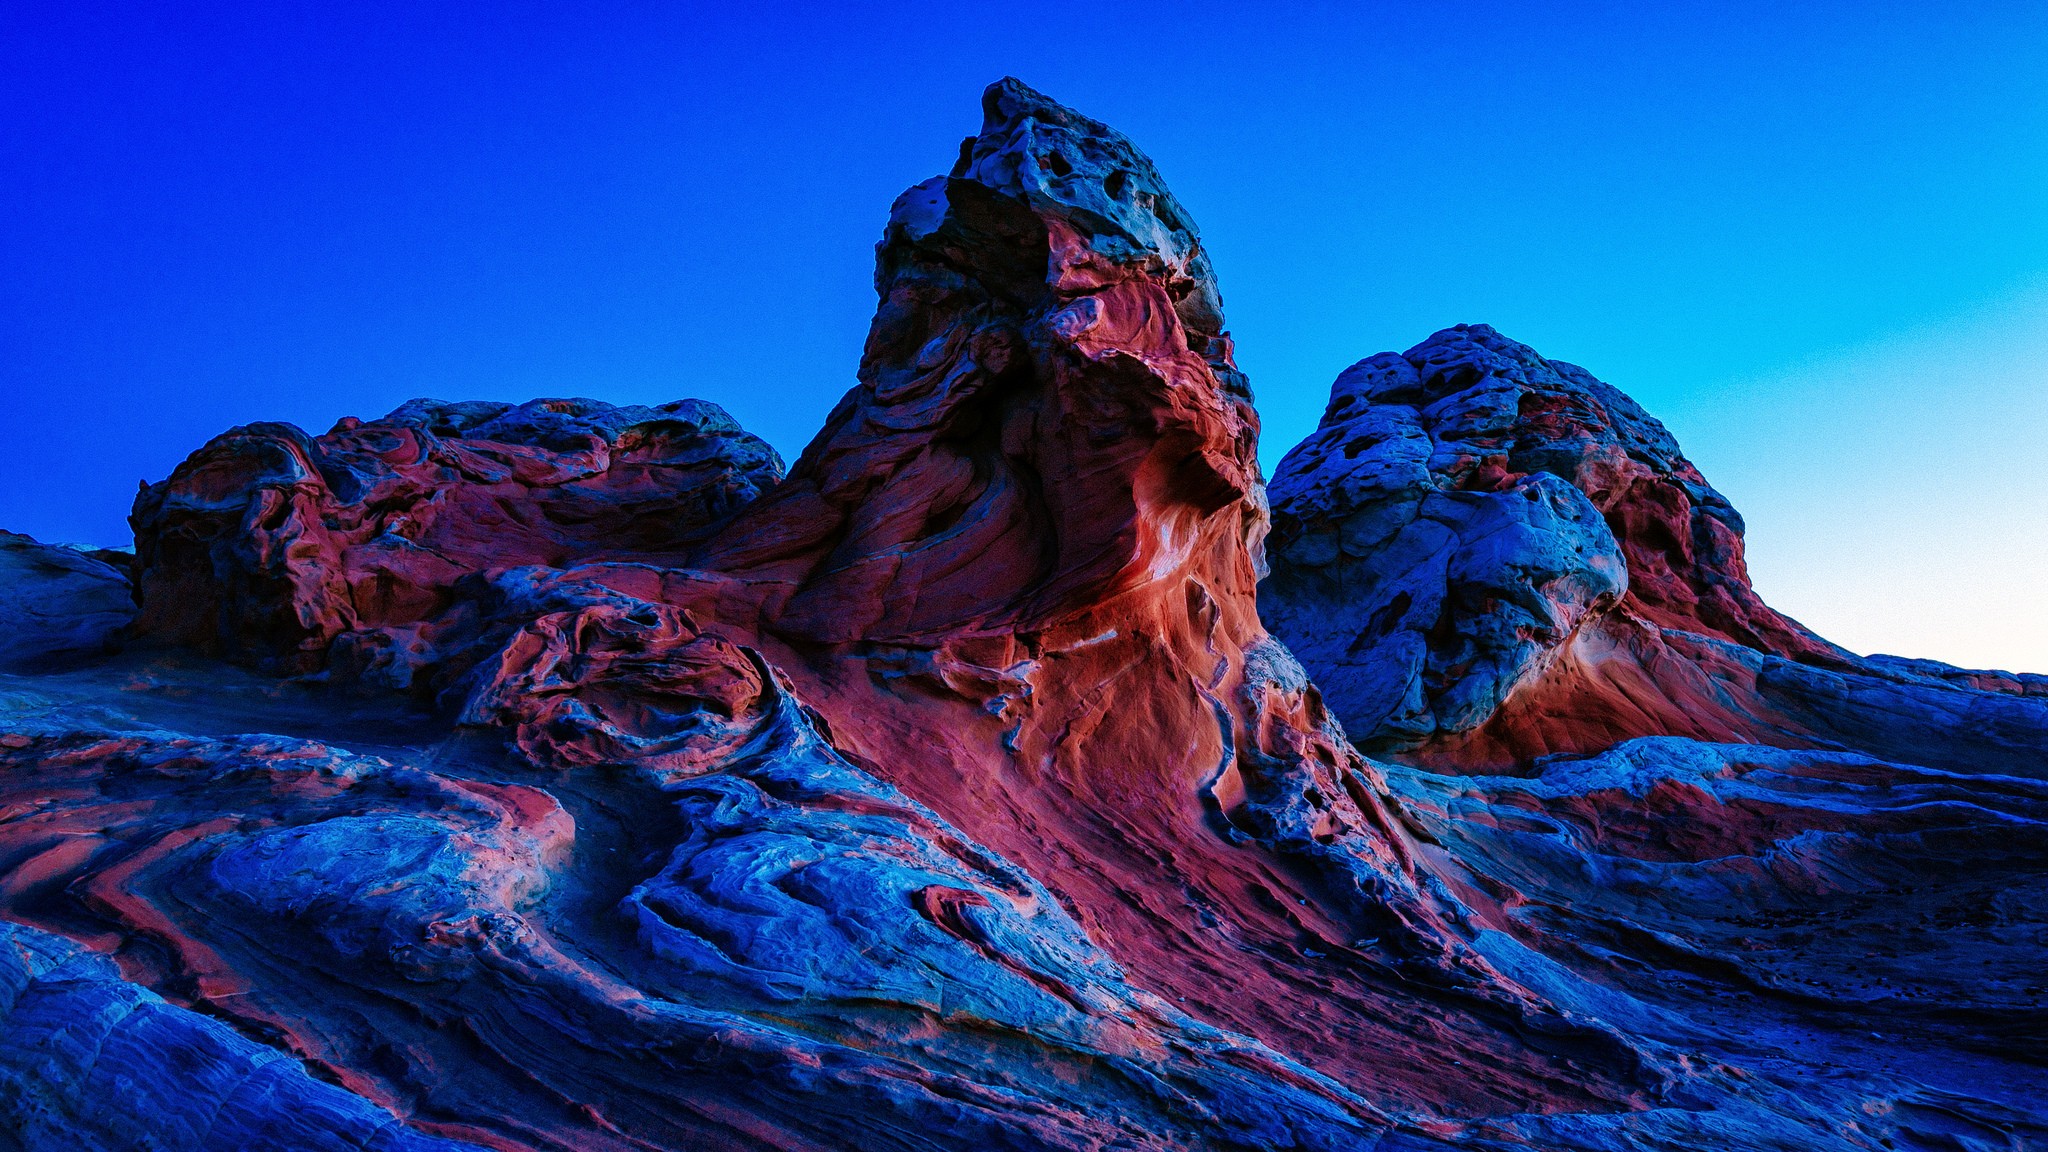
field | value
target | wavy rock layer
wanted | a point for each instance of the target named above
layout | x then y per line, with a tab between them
945	793
269	546
59	604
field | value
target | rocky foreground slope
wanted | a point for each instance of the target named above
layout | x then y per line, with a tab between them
565	776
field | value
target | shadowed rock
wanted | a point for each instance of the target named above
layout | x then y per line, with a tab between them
58	603
948	793
89	1060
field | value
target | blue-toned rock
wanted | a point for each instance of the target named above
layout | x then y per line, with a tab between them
90	1062
59	604
1485	557
558	776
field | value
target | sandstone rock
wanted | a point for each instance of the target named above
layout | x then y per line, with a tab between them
1936	674
1813	885
1047	314
92	1062
268	544
58	604
850	712
1484	557
950	792
1016	575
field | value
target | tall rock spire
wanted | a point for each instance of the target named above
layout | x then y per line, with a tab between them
949	792
1047	410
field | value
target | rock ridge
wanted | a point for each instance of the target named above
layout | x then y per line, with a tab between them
566	776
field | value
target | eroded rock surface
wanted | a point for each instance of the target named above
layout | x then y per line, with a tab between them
90	1060
1485	556
268	545
561	777
58	603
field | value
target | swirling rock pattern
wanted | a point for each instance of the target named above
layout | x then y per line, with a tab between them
564	777
268	545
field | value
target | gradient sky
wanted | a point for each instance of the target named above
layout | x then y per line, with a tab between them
1812	238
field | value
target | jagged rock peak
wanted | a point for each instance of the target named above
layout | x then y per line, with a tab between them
1048	406
1089	175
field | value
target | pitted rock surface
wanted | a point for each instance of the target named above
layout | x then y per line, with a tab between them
1485	557
559	776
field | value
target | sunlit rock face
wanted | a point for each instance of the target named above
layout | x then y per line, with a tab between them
564	777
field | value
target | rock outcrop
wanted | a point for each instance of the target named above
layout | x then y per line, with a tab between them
1484	557
564	777
268	545
58	604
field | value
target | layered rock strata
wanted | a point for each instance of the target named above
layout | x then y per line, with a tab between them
563	777
268	546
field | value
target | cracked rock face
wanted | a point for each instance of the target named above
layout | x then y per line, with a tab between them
561	776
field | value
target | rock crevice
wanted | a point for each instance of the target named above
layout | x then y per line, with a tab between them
565	776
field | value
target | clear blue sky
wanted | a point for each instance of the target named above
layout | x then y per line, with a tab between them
1814	238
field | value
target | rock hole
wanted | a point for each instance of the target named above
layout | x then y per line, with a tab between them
1168	216
1454	378
1381	623
943	519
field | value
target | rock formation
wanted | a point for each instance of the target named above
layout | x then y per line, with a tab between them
58	603
1485	557
268	546
565	777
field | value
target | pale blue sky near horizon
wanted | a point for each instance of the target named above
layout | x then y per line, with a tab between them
1812	238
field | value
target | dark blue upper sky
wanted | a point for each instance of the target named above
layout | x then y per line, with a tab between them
1814	238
